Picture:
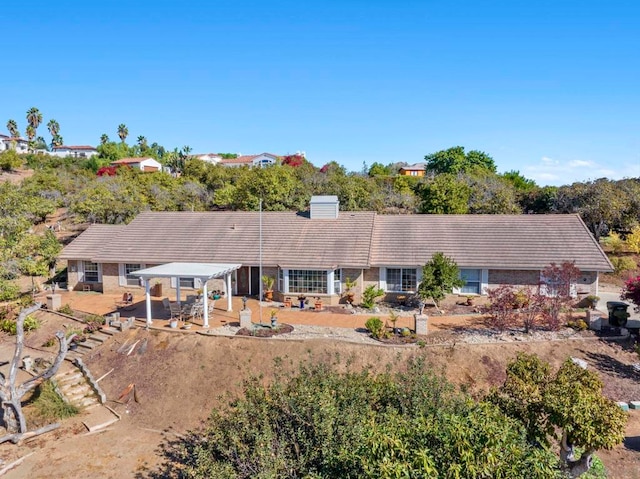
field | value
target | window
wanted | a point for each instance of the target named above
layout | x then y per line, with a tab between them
130	279
401	279
91	274
472	278
307	281
187	283
337	281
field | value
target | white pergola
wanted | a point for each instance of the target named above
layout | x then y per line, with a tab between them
202	271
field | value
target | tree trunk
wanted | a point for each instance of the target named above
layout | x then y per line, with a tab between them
575	467
11	394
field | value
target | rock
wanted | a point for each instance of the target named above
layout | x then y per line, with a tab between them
623	405
634	405
580	362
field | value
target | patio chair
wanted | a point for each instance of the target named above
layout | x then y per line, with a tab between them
175	310
126	302
166	304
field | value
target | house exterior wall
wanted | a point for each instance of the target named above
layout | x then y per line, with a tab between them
587	283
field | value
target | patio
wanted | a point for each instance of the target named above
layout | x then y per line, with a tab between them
103	304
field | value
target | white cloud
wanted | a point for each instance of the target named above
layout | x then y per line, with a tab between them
580	163
548	161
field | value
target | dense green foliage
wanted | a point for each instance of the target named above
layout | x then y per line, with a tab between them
439	276
569	402
321	423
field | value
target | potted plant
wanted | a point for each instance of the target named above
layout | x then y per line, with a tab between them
349	294
268	281
287	302
274	318
157	289
317	304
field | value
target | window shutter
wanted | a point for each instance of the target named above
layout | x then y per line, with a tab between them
418	277
99	272
484	281
383	279
80	271
174	282
197	283
122	280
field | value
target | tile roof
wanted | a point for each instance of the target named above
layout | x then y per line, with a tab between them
354	239
127	161
70	147
415	166
239	160
289	239
90	241
498	241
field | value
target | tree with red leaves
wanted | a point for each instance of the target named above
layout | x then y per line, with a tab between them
107	171
557	286
631	291
293	160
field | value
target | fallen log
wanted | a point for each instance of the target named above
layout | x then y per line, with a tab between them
18	436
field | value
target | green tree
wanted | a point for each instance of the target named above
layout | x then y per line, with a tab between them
490	194
439	276
142	141
104	138
378	169
454	160
123	132
444	194
12	127
569	401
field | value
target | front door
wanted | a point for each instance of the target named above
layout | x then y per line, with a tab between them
255	281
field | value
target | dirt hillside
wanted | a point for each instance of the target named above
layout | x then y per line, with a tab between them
180	378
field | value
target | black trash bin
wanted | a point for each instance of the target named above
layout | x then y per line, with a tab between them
617	313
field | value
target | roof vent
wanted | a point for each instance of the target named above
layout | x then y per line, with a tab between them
324	207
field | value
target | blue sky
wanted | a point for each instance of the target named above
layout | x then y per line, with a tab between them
549	88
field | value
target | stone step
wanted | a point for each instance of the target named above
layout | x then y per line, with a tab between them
110	331
88	402
100	337
89	344
69	378
74	390
78	397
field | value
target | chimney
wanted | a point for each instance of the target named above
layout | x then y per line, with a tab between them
324	207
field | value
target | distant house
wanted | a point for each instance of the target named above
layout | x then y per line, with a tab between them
78	151
213	158
142	164
252	161
416	169
313	253
13	143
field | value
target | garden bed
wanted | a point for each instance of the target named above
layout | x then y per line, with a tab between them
265	331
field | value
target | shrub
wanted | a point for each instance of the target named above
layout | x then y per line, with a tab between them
375	327
49	406
10	326
8	290
633	240
370	294
625	263
9	160
613	242
66	309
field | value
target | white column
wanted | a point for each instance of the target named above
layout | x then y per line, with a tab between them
147	288
227	278
178	291
205	306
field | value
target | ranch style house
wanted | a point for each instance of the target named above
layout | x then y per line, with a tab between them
313	253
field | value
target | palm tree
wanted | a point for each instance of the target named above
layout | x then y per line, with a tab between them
34	117
12	126
104	138
142	141
54	127
31	132
123	132
56	140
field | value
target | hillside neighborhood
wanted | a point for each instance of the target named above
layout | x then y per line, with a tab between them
156	271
